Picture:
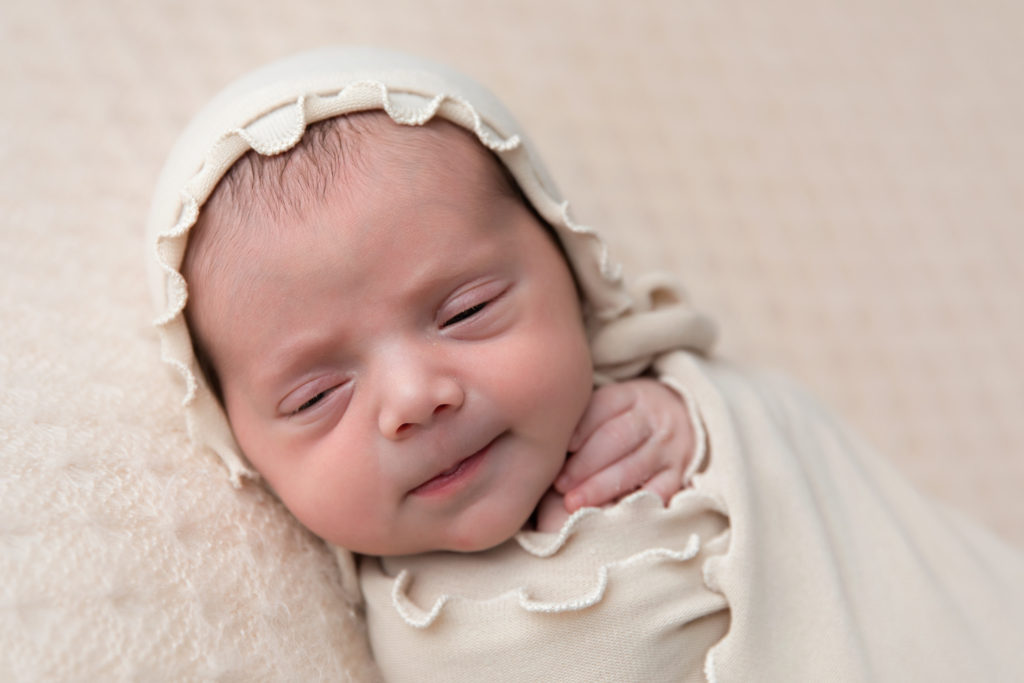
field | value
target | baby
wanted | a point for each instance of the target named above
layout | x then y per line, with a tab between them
399	346
377	298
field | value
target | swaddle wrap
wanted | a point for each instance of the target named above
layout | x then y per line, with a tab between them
831	567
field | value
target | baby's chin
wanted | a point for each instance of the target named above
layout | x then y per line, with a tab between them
475	545
487	534
477	538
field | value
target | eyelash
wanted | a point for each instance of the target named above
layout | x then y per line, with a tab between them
312	402
463	315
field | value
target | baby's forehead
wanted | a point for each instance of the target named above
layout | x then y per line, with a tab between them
340	161
351	153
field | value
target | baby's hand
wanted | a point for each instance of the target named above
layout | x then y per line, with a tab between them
633	434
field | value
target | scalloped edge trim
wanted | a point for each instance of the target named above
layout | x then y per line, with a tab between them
610	269
549	546
542	545
408	611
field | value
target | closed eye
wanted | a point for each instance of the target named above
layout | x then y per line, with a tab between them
312	402
468	313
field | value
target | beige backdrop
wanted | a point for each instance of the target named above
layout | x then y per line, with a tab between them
840	184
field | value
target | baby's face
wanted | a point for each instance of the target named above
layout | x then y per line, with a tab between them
406	362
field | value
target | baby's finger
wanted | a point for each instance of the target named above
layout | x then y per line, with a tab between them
611	483
612	440
664	484
606	403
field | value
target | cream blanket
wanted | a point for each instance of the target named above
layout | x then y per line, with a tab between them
837	569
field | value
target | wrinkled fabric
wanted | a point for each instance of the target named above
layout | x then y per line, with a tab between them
837	569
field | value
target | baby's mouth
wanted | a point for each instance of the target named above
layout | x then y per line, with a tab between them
454	473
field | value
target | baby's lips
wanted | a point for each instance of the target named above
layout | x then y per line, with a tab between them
445	470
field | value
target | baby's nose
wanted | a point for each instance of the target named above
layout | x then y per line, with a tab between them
416	399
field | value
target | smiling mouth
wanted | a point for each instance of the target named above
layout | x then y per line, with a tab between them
452	476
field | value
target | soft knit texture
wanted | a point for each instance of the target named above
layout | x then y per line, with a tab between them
842	184
618	595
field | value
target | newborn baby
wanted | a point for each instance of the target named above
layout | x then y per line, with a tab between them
379	303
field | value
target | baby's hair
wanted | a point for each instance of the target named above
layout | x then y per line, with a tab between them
259	190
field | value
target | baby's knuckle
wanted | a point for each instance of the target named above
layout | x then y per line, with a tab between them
641	426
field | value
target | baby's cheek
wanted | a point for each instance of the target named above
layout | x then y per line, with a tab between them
525	372
325	488
558	382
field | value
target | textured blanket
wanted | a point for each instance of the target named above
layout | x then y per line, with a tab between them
841	186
